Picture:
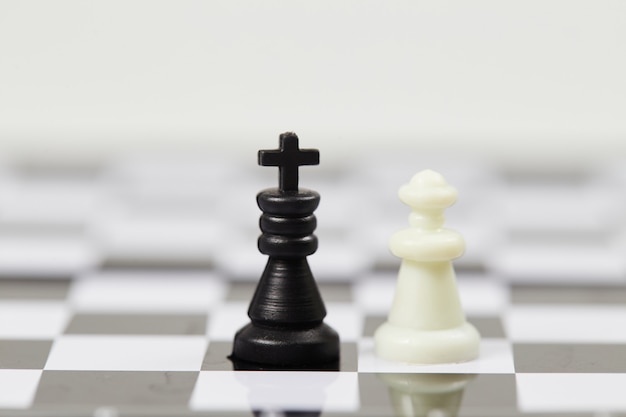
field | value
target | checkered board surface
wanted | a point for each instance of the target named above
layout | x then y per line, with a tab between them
128	342
123	283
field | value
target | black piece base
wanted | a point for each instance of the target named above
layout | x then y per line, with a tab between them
285	348
239	365
258	413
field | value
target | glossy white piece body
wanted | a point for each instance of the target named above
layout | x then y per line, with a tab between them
426	324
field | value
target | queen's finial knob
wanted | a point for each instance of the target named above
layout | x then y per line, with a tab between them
428	194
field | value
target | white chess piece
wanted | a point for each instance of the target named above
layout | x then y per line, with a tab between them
426	324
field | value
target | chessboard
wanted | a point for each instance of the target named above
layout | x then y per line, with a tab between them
122	285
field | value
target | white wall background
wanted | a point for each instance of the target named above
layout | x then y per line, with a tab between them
540	78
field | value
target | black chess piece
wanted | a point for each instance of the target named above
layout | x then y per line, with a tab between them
287	311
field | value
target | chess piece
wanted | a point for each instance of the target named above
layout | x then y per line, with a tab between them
426	395
426	324
287	311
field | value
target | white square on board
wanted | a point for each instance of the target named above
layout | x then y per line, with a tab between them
46	255
482	295
224	322
570	392
148	292
157	235
260	390
346	320
563	323
539	262
18	387
32	319
132	353
374	295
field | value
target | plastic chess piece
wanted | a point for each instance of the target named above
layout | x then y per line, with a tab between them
287	311
426	324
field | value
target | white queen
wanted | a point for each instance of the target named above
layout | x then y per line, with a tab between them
426	324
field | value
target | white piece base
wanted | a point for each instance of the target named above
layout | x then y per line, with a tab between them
401	344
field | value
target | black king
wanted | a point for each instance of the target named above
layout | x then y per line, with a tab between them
287	312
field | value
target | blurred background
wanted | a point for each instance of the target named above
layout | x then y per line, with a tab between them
541	80
129	130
